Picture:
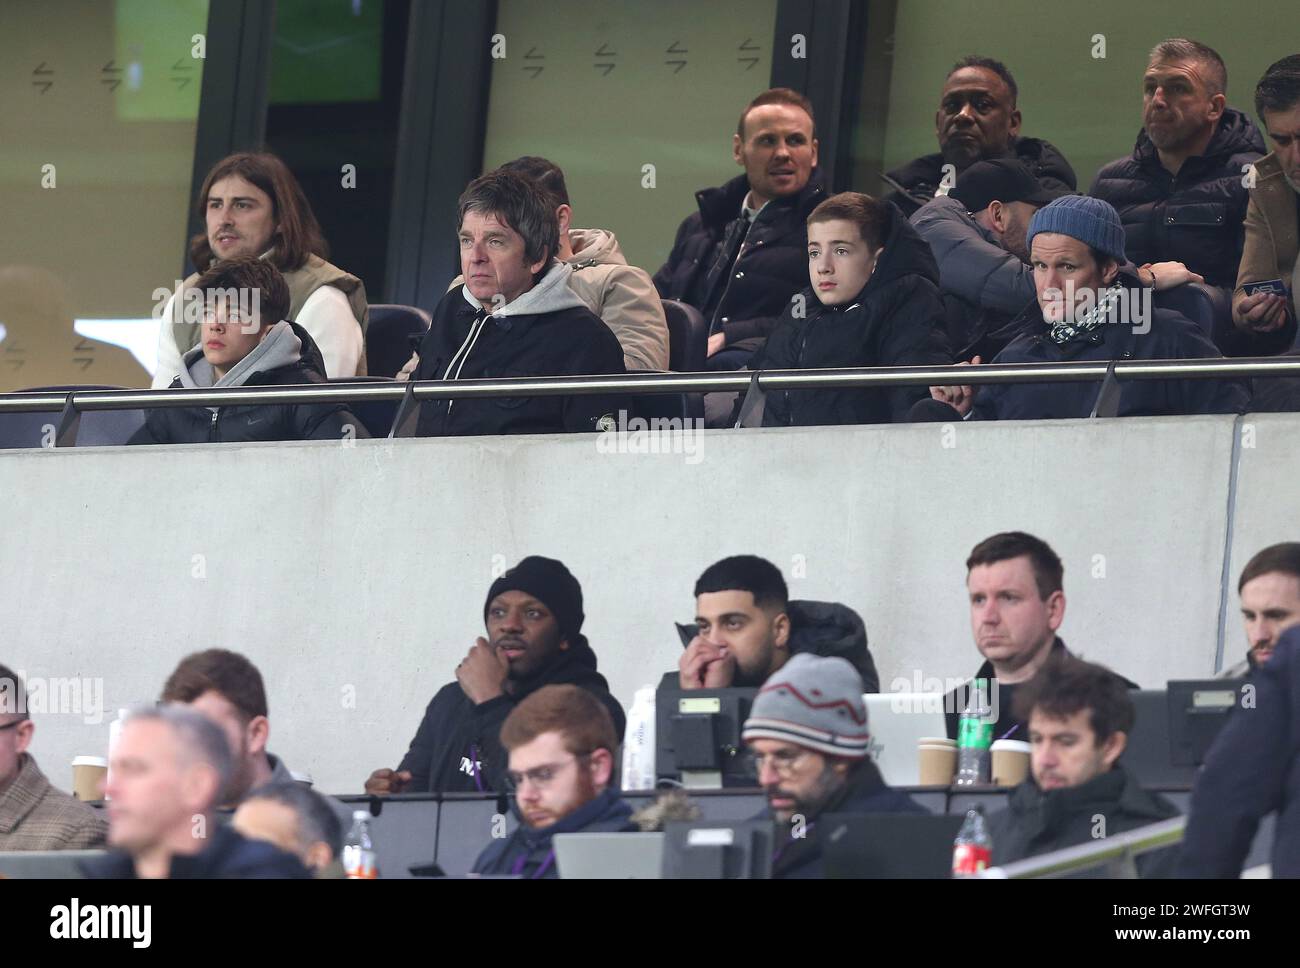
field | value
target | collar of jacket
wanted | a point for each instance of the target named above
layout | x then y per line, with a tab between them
1114	789
605	803
721	206
1234	133
222	839
578	658
1057	650
23	794
1030	321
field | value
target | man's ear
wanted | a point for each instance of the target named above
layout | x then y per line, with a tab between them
814	152
999	216
1218	104
1055	609
1109	273
781	631
258	732
564	644
319	856
602	767
1113	748
737	150
564	215
1014	129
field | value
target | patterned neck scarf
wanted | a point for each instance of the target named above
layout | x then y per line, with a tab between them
1089	326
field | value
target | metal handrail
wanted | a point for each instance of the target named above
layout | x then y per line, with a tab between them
1117	851
878	376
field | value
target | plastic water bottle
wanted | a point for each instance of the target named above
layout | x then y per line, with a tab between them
639	742
972	851
974	737
359	861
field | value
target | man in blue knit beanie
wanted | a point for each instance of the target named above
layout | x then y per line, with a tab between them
1091	307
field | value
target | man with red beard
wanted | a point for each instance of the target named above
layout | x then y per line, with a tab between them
561	743
534	621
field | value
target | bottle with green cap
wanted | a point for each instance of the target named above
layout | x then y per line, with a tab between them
974	737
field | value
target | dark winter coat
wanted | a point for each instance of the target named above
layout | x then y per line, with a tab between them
1195	217
896	320
287	356
739	274
1038	822
1252	770
547	331
1171	337
865	792
229	854
921	176
531	854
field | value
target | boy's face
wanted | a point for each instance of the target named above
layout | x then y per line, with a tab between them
839	261
229	333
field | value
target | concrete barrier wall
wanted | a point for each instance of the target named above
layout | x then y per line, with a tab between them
354	576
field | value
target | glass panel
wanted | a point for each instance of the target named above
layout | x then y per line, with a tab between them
604	89
98	119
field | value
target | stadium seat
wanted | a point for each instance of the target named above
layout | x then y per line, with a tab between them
1209	307
688	337
388	337
97	428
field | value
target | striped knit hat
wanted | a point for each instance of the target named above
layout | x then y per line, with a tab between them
815	702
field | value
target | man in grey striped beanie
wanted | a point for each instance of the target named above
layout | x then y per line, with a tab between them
807	734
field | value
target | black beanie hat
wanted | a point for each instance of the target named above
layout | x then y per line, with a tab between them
550	583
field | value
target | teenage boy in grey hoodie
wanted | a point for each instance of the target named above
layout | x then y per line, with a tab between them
515	316
246	341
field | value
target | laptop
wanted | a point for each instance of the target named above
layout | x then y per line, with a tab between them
45	864
896	721
888	844
609	856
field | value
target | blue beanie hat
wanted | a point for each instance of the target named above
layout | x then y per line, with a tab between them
1090	220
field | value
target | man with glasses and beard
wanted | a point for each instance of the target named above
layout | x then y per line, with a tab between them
807	736
561	743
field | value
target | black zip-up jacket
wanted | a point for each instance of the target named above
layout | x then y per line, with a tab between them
1172	336
1195	217
241	424
742	294
954	701
547	331
921	176
1252	770
1036	822
896	320
457	748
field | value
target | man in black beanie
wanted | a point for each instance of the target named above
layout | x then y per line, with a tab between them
534	638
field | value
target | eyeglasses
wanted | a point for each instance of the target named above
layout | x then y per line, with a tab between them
16	722
540	776
784	762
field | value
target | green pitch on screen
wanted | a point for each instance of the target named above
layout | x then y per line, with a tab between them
326	52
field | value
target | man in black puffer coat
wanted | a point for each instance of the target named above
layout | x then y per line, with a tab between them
1181	194
740	258
874	301
977	120
248	345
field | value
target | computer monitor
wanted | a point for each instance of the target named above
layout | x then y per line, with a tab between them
896	721
1198	709
888	844
609	856
697	736
738	850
